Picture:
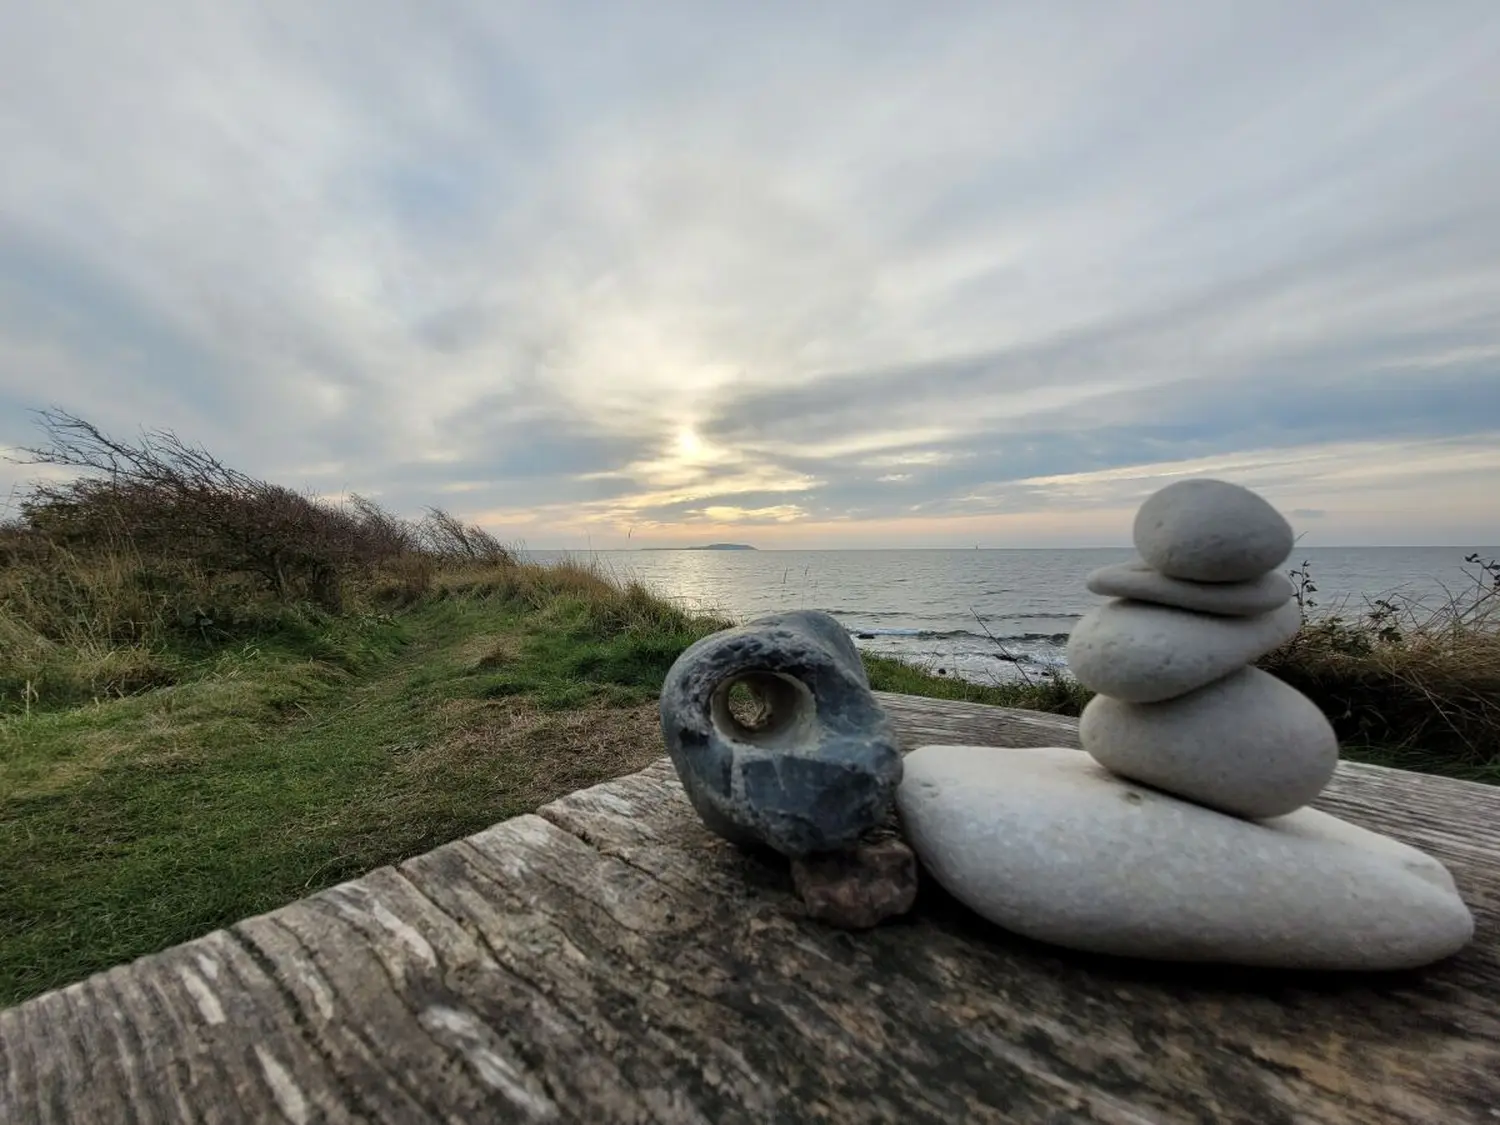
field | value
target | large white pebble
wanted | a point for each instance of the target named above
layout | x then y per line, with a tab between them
1145	653
1047	843
1247	744
1211	531
1144	583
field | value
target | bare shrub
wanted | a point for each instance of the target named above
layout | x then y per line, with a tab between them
166	499
156	543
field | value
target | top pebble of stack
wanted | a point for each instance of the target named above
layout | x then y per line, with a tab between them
1211	531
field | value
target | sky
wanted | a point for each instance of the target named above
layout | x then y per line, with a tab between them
806	276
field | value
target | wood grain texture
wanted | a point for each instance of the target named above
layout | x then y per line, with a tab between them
923	722
607	960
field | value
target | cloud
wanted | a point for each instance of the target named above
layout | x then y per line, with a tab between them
838	274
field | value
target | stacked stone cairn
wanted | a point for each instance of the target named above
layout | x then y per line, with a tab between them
1183	834
1180	707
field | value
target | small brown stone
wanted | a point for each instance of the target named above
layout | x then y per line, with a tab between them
861	887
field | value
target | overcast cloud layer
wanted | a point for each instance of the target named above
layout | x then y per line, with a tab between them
856	274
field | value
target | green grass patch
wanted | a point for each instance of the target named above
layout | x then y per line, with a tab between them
1056	694
304	758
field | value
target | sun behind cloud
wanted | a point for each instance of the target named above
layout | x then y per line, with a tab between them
689	444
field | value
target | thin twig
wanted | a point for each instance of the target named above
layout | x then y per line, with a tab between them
1005	653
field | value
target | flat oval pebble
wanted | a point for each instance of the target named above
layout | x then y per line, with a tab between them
1211	531
1047	843
1145	653
1144	583
1247	744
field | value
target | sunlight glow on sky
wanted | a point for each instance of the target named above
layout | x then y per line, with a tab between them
854	274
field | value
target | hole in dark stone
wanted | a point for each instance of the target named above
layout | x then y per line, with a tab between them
763	707
746	707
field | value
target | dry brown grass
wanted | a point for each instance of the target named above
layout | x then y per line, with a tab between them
82	628
119	597
529	756
1401	673
490	650
608	604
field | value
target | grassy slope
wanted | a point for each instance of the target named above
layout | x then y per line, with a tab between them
132	824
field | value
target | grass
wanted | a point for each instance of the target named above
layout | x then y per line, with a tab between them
190	734
1057	694
308	756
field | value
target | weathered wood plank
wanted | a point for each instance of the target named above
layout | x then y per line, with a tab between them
923	722
608	961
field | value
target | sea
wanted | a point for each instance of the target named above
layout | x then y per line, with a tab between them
989	616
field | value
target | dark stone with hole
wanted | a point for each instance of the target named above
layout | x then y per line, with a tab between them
861	886
816	765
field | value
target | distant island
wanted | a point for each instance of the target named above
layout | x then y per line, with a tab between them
706	547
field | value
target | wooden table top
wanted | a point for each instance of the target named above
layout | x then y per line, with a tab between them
608	960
